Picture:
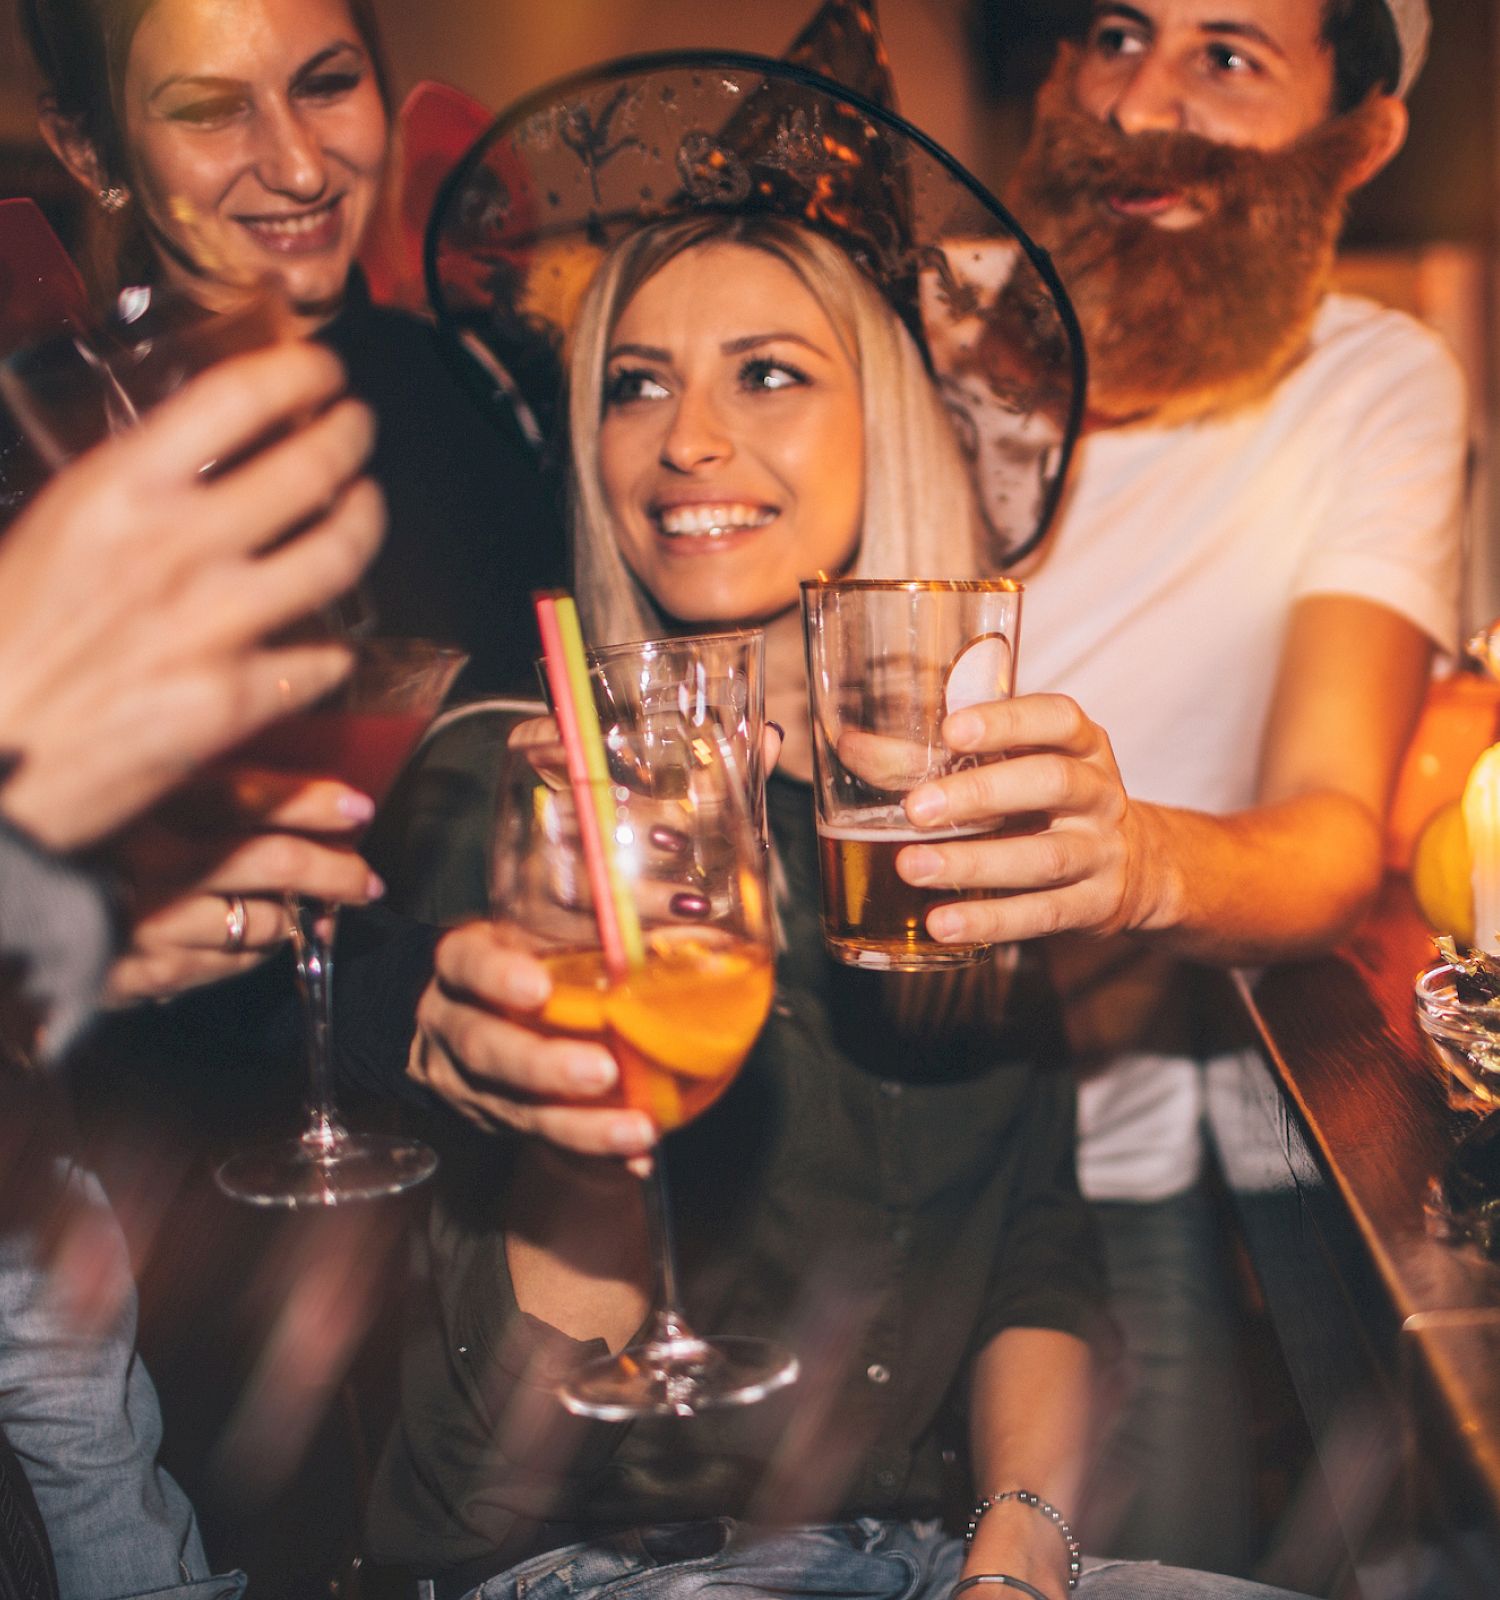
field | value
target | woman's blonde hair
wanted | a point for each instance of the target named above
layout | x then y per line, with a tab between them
919	518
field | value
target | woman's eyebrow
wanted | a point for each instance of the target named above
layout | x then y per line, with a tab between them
642	352
323	57
751	341
217	84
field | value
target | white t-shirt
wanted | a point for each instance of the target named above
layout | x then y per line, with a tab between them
1162	605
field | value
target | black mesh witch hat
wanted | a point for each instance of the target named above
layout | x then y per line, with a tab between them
520	226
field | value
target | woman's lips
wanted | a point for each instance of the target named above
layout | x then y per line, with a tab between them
299	232
710	521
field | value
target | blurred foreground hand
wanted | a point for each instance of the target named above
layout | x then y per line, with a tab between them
141	596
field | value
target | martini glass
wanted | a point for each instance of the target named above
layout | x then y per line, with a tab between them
679	1021
363	734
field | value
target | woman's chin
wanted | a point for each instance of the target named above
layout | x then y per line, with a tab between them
737	610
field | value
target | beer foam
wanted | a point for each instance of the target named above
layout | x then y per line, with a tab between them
899	830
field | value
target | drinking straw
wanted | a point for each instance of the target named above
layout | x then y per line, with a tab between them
588	769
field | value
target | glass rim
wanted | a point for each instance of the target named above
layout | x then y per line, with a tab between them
915	585
663	642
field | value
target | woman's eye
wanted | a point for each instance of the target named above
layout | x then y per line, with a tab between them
207	113
329	85
629	383
771	375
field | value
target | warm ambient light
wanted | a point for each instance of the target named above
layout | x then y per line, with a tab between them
1481	805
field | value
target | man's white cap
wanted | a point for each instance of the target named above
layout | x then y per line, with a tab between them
1413	28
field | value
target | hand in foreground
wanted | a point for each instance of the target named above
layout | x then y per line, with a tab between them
208	873
1072	858
137	594
477	1047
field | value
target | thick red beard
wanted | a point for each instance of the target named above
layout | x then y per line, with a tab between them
1180	323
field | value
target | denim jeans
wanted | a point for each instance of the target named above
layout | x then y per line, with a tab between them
81	1414
866	1560
1172	1482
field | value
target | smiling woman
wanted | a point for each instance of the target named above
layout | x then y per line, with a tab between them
251	137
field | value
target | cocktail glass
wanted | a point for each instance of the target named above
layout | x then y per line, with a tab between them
362	734
679	1024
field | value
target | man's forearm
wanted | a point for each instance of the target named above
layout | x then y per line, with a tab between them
1267	884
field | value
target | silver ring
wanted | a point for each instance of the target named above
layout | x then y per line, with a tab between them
236	924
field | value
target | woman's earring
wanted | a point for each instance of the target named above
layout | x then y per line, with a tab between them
114	198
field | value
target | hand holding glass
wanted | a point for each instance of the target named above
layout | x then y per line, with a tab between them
679	1024
362	734
886	663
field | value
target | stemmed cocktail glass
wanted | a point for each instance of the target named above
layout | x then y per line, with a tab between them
362	734
679	1022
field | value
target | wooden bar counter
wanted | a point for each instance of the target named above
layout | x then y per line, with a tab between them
1328	1127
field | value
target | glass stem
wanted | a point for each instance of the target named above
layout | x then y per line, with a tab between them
670	1321
312	936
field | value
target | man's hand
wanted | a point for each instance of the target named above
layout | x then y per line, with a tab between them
138	593
478	1047
1075	858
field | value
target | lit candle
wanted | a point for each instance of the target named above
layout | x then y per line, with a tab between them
1482	824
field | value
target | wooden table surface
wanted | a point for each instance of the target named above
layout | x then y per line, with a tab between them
1328	1135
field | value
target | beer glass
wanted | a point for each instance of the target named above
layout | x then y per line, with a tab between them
887	660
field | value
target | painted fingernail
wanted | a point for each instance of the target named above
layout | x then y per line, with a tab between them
668	839
689	905
357	807
590	1073
374	886
917	864
632	1134
962	729
946	925
927	805
777	728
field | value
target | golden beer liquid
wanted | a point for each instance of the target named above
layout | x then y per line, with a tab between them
871	916
679	1028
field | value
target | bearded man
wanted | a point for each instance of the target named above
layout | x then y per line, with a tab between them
1255	560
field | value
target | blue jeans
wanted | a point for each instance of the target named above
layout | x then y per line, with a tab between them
81	1414
866	1560
1173	1479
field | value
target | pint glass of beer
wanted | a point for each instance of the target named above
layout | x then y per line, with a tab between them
886	662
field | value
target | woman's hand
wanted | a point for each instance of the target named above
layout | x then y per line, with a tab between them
1017	1540
479	1047
1074	852
210	871
144	603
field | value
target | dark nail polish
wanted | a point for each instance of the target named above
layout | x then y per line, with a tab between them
688	904
780	731
668	839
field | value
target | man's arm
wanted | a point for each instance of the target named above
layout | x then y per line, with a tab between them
1284	877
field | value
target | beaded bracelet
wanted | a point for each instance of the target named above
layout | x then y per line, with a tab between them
1004	1579
1052	1514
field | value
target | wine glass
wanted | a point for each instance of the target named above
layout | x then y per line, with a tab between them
363	734
69	392
679	1022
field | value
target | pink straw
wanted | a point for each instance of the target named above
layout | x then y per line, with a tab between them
590	826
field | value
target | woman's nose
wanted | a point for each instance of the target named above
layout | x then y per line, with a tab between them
290	160
1150	99
696	436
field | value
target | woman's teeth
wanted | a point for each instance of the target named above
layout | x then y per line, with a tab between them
305	222
689	522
